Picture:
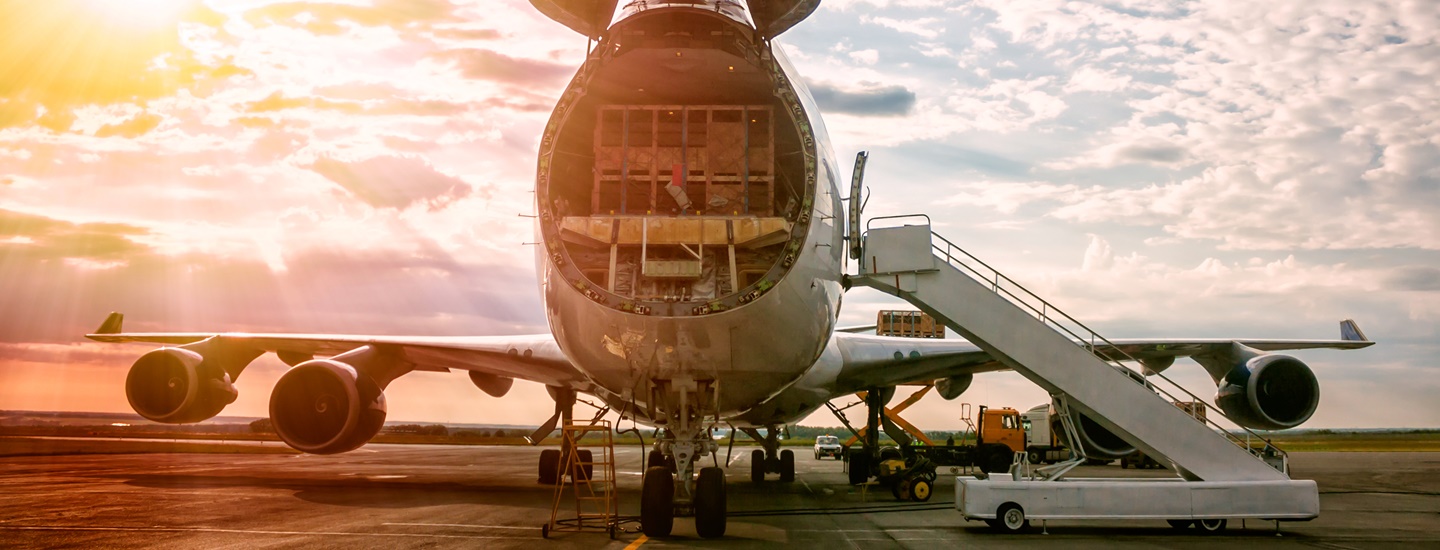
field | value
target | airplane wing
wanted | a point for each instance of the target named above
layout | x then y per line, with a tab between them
879	361
533	357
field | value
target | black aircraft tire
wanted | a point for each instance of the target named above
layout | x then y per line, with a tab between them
757	466
859	467
549	466
585	468
787	466
655	458
710	503
657	502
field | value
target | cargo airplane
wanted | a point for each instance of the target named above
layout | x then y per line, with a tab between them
691	259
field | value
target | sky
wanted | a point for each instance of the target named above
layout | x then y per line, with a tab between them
1155	168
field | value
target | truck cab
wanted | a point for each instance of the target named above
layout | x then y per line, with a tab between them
1001	426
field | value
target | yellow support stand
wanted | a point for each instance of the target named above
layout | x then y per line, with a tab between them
592	481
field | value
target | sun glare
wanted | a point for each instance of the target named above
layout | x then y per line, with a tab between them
141	15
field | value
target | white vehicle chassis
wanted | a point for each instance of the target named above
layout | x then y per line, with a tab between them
1110	498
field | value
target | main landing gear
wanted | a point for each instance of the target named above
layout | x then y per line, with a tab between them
771	460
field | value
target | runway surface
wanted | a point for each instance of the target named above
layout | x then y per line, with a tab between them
412	496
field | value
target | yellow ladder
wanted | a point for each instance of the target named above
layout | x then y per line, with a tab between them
592	476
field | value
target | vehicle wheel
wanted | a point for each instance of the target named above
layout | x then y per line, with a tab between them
1180	523
997	462
859	467
1210	526
920	490
1012	518
787	466
656	458
549	466
611	530
585	469
545	531
710	503
1124	464
901	490
657	502
1033	457
757	466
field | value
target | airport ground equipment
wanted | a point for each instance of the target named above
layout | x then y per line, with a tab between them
595	497
1058	353
910	470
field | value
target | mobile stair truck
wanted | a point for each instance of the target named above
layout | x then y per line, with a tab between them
1220	475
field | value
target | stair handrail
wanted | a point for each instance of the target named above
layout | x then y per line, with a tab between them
1047	312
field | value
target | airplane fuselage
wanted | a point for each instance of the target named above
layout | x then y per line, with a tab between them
689	218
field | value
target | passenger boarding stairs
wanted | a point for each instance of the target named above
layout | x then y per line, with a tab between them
1059	354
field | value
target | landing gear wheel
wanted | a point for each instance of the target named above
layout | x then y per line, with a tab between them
1210	526
655	458
657	502
920	490
787	466
859	467
757	466
710	503
901	489
585	468
549	466
1011	518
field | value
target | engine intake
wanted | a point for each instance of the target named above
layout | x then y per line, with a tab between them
326	406
1269	392
177	386
1095	441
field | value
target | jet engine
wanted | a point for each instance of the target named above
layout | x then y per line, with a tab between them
1268	392
177	386
952	387
1096	441
329	406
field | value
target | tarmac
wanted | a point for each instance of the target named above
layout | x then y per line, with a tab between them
420	496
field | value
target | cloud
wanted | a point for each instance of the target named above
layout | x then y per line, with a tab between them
133	127
491	65
38	238
326	18
874	100
393	182
1422	278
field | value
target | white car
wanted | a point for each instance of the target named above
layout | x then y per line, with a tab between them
827	445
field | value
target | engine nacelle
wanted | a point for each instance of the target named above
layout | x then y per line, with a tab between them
1269	392
177	386
952	387
1096	441
493	384
325	406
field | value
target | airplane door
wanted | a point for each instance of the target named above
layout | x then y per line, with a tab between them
856	204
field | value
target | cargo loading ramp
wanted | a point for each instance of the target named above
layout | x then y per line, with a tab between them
1054	351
